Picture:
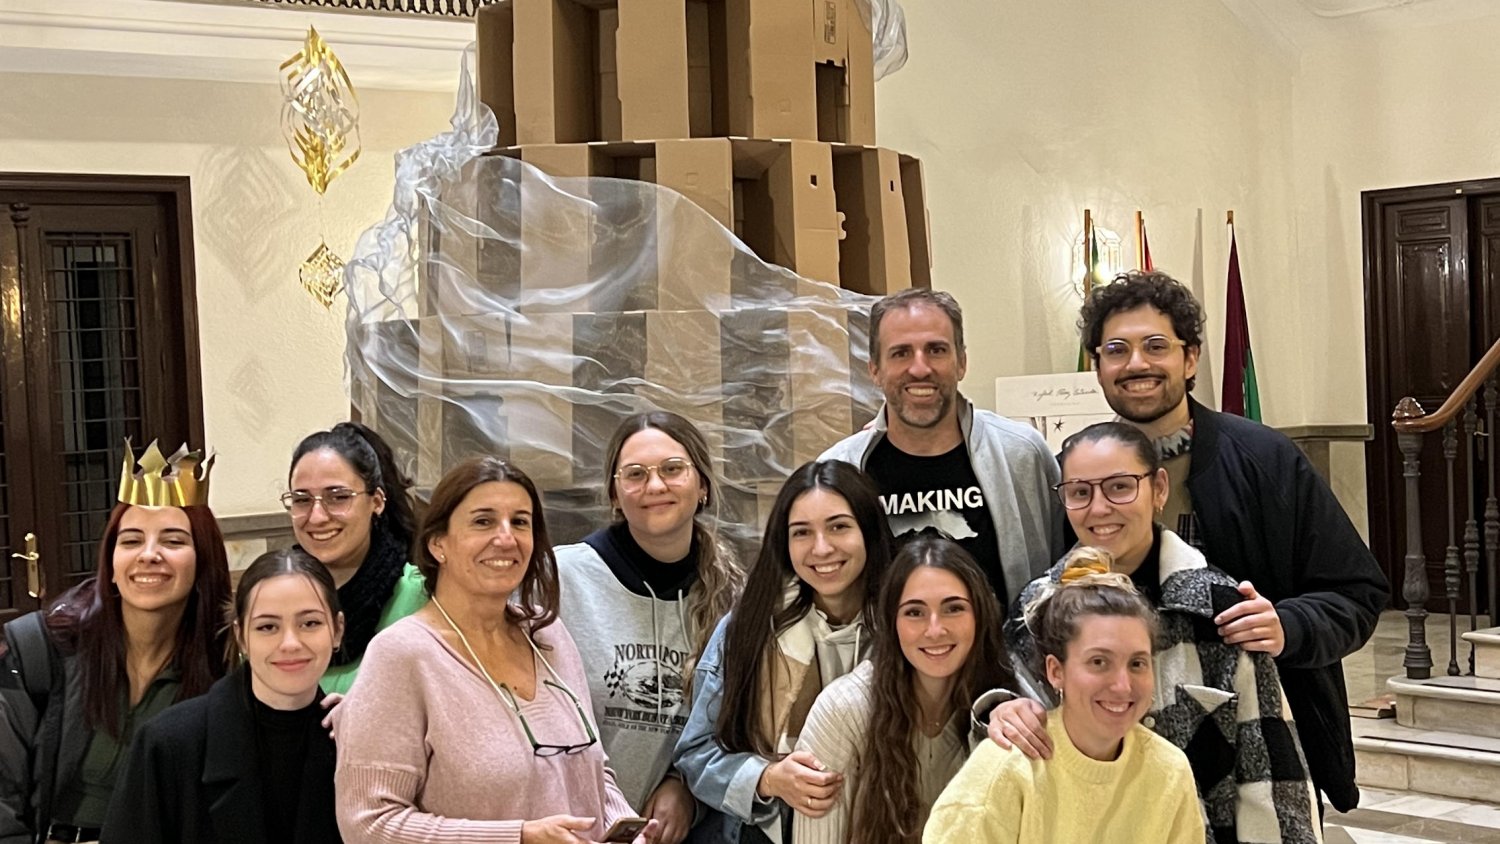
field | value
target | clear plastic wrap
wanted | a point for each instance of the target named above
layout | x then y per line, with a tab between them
497	310
887	23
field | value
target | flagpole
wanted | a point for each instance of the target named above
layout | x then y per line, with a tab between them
1140	241
1088	275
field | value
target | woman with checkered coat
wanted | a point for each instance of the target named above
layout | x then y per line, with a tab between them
1220	703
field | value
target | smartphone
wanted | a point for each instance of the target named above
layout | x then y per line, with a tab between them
625	830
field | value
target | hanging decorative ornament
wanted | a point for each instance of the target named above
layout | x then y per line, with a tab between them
320	119
322	275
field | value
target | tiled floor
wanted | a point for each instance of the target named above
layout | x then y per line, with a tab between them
1403	817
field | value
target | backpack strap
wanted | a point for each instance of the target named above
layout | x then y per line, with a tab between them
34	648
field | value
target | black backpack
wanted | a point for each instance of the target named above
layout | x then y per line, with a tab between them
34	651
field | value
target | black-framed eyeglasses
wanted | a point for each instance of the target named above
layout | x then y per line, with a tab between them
1154	348
1117	489
336	501
673	472
544	750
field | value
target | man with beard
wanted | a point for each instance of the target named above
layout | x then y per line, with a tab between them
941	462
1310	590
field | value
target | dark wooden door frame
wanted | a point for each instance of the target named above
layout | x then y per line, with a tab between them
1379	474
176	191
173	276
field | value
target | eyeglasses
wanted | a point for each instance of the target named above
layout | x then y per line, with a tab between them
1154	348
673	472
336	502
539	749
1117	489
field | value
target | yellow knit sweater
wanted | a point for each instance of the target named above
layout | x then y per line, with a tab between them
1001	797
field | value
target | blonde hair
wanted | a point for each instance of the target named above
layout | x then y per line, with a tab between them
1086	586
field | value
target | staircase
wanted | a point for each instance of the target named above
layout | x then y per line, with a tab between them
1445	739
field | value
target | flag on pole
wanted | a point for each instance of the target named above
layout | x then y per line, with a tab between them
1143	252
1241	395
1090	262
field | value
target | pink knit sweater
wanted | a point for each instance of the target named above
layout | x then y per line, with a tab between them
427	752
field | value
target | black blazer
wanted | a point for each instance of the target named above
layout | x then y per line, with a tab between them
192	778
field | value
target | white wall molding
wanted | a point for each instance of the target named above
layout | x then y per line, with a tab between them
175	40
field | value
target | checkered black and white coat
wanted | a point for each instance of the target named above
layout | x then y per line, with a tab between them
1223	706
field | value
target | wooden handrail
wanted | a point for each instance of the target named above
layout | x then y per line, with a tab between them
1410	418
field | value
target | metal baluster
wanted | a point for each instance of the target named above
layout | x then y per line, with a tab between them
1418	660
1471	527
1450	555
1491	508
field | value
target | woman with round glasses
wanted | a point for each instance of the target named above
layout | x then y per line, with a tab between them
350	509
470	718
1221	704
663	579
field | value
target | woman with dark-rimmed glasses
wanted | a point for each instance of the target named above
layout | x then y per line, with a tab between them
1220	703
350	509
470	719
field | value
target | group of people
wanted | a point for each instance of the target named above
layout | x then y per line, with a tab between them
947	634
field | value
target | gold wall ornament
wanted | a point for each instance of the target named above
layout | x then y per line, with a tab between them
320	112
322	274
177	481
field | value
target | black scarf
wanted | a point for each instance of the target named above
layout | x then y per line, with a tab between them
364	596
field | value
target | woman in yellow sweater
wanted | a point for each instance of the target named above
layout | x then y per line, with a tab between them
1110	780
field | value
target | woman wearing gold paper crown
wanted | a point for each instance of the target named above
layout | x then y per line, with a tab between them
1223	705
80	676
350	508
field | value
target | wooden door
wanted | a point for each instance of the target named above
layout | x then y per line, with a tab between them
97	349
1426	327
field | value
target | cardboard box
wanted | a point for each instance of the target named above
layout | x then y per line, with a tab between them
495	384
788	386
571	71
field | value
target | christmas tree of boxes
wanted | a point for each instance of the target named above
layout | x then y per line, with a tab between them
758	112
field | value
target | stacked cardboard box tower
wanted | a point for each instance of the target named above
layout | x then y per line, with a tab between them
758	112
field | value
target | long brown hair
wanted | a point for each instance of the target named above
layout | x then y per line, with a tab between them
537	594
759	618
886	802
720	578
87	620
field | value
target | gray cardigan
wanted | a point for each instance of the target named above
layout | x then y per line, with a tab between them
1016	470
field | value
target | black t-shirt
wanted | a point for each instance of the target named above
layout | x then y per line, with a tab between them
281	743
942	492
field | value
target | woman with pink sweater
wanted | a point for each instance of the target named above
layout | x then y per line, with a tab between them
470	720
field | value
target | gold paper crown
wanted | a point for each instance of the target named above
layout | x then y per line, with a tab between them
177	481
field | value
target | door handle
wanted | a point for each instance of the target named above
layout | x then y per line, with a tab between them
34	586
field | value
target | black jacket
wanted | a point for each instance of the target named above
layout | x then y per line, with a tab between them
192	778
42	741
1265	515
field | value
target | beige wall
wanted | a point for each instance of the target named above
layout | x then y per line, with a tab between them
1026	114
272	357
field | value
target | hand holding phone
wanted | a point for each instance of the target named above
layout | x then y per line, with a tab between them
625	830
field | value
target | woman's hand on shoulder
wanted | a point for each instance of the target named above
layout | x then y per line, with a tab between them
802	782
1021	723
557	829
331	704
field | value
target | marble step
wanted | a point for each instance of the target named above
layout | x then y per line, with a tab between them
1467	705
1486	651
1388	755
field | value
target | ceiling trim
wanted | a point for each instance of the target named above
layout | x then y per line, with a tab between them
167	39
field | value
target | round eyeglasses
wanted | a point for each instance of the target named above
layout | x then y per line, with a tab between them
673	471
1154	348
337	501
1117	489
